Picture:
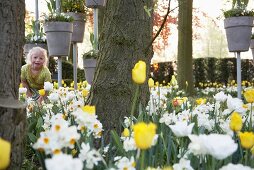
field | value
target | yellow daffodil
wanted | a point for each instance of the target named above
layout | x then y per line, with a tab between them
201	101
5	152
42	92
144	134
20	85
150	82
89	109
85	92
236	122
139	72
247	139
126	132
249	95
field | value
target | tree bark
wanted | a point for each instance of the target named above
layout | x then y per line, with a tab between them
12	119
184	58
126	32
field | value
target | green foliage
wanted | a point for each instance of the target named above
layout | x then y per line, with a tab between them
67	72
199	70
211	69
58	17
92	54
238	12
252	36
31	37
54	16
74	6
52	65
238	9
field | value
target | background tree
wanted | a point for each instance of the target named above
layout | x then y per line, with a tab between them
12	119
124	38
184	58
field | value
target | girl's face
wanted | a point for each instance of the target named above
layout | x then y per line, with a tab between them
37	60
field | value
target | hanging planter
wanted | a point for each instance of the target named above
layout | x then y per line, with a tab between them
95	3
238	32
58	37
89	68
89	63
78	26
29	46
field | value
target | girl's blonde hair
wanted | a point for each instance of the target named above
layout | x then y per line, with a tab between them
37	50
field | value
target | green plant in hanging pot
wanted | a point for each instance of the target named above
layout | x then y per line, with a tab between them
34	36
77	10
238	24
58	28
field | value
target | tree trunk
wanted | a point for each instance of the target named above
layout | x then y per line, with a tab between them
126	33
12	117
184	58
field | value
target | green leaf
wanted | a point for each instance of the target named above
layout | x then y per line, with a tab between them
117	141
39	123
32	137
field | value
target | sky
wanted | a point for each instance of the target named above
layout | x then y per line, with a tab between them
213	8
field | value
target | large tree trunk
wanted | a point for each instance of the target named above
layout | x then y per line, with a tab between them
12	117
126	33
184	58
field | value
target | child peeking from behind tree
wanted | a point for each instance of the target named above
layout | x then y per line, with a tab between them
35	72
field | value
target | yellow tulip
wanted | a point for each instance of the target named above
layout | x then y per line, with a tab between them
42	92
236	122
139	72
249	95
144	134
5	152
150	82
89	109
247	139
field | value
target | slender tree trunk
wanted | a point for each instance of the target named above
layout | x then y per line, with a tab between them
12	119
184	58
126	33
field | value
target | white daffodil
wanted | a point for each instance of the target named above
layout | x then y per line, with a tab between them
212	145
129	144
183	164
231	166
48	86
181	129
53	97
63	162
90	156
126	163
220	97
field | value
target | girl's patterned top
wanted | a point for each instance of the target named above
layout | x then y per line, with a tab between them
35	81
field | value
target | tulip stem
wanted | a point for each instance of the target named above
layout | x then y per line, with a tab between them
142	161
134	102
